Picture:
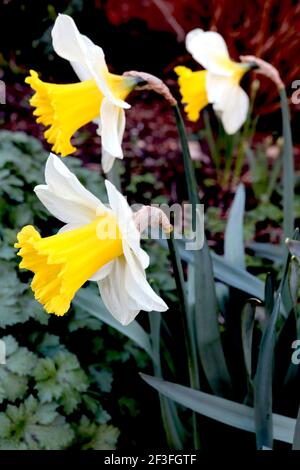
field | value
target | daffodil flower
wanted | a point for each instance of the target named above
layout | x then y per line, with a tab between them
219	84
97	243
99	97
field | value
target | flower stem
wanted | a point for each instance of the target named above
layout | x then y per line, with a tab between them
211	143
170	419
114	174
288	168
245	136
191	351
191	182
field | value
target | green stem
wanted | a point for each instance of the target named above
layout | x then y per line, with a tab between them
191	182
246	134
211	143
288	168
170	419
114	174
191	351
229	140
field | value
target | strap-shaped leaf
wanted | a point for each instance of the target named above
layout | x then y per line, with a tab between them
288	168
92	303
247	326
296	440
172	425
227	272
220	409
207	325
234	232
263	383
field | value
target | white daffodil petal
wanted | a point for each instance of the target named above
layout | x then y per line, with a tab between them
107	158
67	40
114	295
70	226
107	161
96	64
82	72
86	58
73	46
216	88
236	111
124	215
66	210
112	128
138	287
210	50
229	101
65	185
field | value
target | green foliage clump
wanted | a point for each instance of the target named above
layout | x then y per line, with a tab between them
50	396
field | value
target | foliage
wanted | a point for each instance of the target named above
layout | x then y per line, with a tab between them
50	396
249	359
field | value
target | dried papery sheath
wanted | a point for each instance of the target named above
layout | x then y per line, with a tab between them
264	68
152	83
154	217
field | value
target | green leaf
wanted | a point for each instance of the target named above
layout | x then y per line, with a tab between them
284	287
207	325
220	409
247	326
263	383
227	273
296	440
172	425
294	279
87	300
103	378
12	386
236	277
288	168
14	374
22	362
269	295
188	331
103	437
234	235
274	253
60	378
34	426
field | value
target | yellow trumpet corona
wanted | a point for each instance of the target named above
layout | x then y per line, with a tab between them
193	90
66	108
62	263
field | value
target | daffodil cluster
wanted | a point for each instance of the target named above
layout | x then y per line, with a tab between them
97	242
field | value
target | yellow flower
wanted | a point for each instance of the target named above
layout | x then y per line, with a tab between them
98	243
62	263
99	97
218	84
193	91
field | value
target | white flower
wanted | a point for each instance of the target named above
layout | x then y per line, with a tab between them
99	97
223	76
98	243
